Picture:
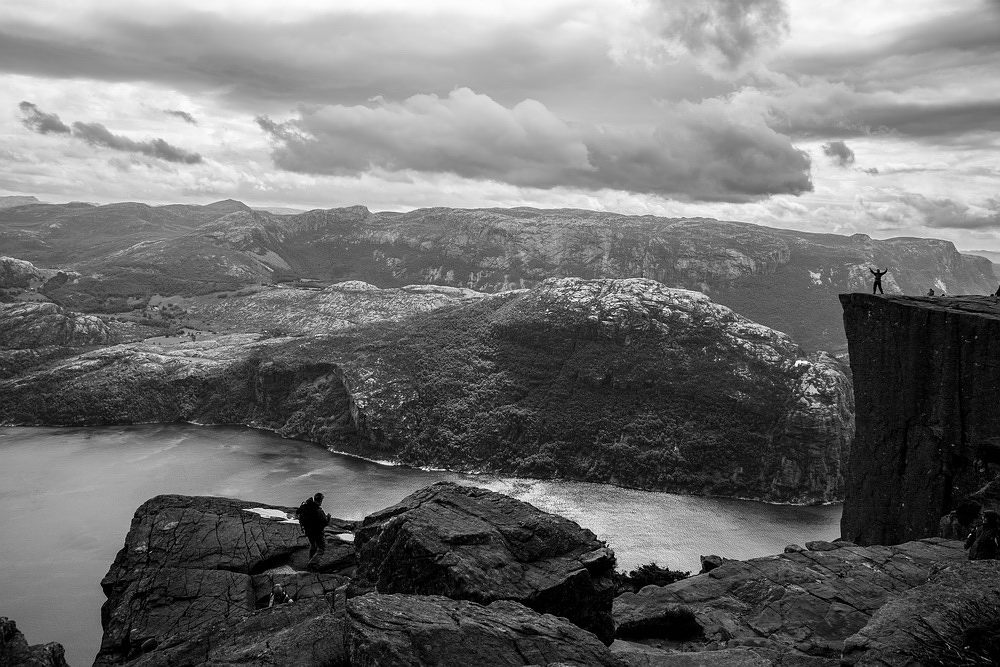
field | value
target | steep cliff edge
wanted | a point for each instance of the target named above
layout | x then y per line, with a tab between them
927	391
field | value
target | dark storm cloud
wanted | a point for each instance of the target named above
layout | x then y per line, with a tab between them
698	152
183	115
837	111
839	151
43	123
96	134
731	31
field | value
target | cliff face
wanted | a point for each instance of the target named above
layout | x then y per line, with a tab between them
927	386
622	381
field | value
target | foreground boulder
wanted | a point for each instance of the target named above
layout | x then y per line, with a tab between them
473	544
15	652
805	602
191	562
435	630
952	619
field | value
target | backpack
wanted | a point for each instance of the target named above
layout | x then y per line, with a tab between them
311	515
302	512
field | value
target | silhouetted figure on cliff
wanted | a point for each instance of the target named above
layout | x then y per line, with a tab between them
984	541
313	520
930	292
997	293
877	285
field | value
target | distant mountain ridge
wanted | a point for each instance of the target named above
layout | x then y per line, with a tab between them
782	278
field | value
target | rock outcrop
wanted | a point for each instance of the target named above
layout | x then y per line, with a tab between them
805	603
493	581
621	381
473	544
954	619
191	563
15	651
191	586
926	390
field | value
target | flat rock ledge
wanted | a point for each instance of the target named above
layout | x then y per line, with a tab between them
831	603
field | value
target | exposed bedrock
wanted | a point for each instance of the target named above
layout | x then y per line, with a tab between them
15	651
472	544
494	581
190	563
804	606
927	386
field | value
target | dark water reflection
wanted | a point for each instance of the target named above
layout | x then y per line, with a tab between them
67	496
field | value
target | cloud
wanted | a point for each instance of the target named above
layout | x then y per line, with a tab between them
183	115
97	134
698	151
43	123
724	35
840	153
935	212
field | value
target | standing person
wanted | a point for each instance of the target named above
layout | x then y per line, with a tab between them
930	292
984	541
313	520
877	285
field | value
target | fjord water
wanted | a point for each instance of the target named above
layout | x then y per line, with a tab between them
67	496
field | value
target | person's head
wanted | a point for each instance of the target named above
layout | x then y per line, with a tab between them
277	589
318	498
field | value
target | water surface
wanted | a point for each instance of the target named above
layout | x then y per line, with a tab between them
67	496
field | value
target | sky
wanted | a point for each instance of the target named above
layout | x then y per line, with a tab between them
845	116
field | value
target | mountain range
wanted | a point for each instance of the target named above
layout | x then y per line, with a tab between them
784	279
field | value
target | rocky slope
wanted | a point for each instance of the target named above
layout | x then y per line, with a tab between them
190	587
926	385
35	333
192	580
781	278
624	381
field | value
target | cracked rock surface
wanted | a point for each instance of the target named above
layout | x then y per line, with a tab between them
191	562
474	544
435	630
15	652
804	602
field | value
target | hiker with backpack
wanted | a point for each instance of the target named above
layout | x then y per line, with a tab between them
984	541
313	520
